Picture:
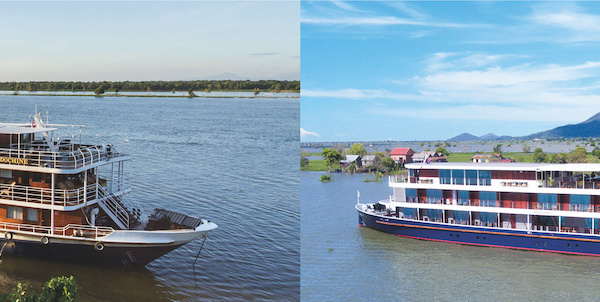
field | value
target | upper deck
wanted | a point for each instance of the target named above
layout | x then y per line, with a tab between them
33	148
517	177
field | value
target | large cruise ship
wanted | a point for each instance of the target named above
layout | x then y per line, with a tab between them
64	200
527	206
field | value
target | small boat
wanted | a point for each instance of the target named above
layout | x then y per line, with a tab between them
525	206
65	200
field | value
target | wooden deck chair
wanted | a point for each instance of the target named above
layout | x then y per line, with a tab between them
7	190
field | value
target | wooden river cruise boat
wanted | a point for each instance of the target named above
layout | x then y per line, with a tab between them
62	200
526	206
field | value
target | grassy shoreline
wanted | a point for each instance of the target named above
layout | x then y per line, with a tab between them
162	96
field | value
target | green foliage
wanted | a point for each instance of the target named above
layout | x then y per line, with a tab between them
498	148
442	151
304	162
579	155
325	178
539	155
207	85
357	149
596	152
191	93
318	165
58	289
389	164
99	91
558	158
377	178
331	156
526	149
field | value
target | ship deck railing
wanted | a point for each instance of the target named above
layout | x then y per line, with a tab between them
68	157
62	197
511	204
70	230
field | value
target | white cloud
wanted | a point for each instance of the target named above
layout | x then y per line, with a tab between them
579	26
349	21
529	113
356	94
304	133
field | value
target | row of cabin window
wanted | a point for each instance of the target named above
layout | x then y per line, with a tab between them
17	213
474	174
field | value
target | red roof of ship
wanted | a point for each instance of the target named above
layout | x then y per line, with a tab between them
402	151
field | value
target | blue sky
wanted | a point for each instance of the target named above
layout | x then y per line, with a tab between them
156	40
432	70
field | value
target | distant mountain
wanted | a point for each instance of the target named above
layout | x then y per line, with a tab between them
488	137
587	128
465	137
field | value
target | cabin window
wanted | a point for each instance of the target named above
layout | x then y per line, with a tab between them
458	177
6	173
411	195
445	177
32	214
485	178
463	198
487	199
14	212
471	177
579	202
434	196
548	201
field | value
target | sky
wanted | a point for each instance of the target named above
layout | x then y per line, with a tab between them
408	71
156	40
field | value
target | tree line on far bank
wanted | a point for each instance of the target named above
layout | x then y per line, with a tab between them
332	157
579	155
200	85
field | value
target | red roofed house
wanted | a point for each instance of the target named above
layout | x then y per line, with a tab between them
402	155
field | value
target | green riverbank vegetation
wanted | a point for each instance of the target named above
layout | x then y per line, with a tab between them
331	158
59	289
148	86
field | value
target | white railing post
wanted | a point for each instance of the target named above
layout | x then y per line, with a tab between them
52	211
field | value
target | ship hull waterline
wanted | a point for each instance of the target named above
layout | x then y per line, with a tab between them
565	243
90	251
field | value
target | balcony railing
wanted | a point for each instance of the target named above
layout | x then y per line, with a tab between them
80	157
509	204
84	231
62	197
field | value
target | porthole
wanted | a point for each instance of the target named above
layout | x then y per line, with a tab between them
568	245
451	235
457	235
477	237
484	238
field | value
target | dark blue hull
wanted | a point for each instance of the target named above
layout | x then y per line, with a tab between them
132	254
567	243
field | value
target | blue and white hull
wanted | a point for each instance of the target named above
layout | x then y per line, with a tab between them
558	242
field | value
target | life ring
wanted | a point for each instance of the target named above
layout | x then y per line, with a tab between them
45	240
99	246
8	235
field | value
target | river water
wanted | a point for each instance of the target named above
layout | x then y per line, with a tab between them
344	262
233	161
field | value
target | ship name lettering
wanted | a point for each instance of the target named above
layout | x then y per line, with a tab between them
10	160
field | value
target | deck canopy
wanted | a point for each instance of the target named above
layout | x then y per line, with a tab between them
23	130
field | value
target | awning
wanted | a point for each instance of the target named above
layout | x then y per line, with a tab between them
23	130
